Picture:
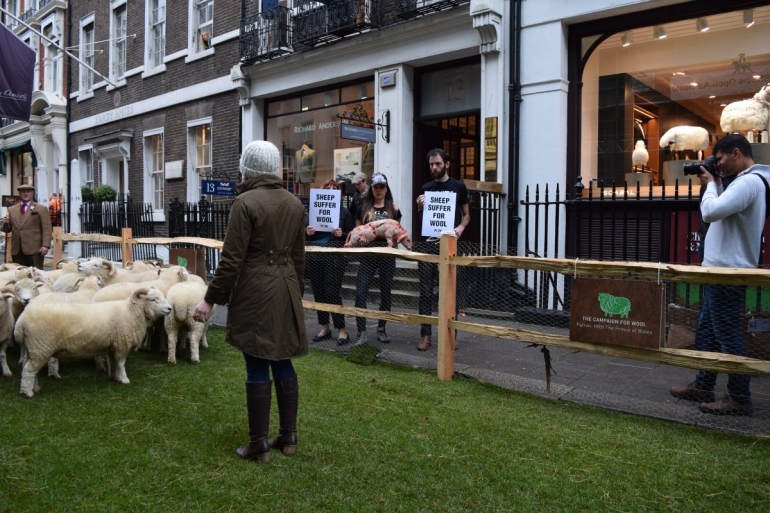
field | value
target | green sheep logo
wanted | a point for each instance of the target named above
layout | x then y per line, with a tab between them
614	305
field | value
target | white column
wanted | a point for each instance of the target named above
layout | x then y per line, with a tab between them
75	202
394	158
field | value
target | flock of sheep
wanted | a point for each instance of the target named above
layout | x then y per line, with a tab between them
93	309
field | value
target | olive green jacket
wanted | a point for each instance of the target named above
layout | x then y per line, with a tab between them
261	269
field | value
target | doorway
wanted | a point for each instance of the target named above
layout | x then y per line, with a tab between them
458	135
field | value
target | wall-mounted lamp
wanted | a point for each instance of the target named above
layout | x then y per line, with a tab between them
702	24
659	32
627	38
748	17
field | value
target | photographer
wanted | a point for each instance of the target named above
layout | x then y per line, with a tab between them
736	214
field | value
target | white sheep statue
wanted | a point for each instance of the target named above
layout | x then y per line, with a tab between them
748	114
686	138
81	331
640	157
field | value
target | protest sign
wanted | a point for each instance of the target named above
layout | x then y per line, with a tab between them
324	212
438	213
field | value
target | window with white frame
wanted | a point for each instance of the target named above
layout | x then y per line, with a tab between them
86	160
156	30
87	55
203	24
118	46
153	164
199	156
52	62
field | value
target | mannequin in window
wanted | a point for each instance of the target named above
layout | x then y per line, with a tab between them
368	165
305	164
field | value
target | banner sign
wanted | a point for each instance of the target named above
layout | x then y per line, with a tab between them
617	312
17	71
358	133
217	187
438	213
324	213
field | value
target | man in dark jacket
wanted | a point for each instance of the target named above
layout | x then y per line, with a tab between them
258	277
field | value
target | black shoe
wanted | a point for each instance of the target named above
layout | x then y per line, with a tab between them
383	337
343	340
326	336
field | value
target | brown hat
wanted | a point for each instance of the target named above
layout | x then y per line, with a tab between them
25	187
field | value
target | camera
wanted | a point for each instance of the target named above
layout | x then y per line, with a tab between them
693	168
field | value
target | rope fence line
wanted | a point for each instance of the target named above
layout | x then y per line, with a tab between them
447	324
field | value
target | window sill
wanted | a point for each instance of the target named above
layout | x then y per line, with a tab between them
158	216
85	96
199	55
118	84
154	71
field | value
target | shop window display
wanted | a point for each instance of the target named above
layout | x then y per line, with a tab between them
663	95
306	129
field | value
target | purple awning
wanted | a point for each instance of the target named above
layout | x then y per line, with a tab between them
17	76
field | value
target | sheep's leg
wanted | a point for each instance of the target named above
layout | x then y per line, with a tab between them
204	342
3	360
172	334
22	354
29	378
101	364
120	371
112	367
53	368
196	334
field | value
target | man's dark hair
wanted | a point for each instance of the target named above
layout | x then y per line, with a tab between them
438	152
732	141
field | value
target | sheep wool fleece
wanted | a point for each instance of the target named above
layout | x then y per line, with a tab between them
261	269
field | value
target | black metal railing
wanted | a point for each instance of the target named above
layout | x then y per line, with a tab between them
43	3
407	9
316	22
110	217
266	35
202	219
27	14
4	122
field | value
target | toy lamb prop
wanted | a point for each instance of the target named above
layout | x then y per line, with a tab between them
387	229
640	157
748	114
686	138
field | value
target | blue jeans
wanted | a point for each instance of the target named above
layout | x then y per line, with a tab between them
258	369
720	330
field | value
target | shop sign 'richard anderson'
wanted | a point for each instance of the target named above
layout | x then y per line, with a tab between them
618	312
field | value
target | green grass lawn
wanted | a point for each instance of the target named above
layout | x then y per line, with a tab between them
372	438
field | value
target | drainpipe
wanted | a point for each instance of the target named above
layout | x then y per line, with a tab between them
514	104
67	129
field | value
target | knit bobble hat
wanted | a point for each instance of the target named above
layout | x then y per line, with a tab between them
260	158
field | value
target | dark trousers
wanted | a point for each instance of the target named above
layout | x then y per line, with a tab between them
258	369
369	266
35	260
428	274
720	329
326	274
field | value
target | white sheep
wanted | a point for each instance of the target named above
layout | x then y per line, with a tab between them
184	297
168	276
686	138
640	157
64	266
81	331
748	114
6	328
86	287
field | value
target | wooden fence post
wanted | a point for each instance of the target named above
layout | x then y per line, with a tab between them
8	244
447	310
125	246
58	245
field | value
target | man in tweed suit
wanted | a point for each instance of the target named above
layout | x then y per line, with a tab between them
30	224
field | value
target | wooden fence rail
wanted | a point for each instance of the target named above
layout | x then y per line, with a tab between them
447	324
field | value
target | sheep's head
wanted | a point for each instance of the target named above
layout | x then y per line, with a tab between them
26	290
99	266
155	304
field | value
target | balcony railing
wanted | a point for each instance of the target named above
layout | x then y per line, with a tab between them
4	122
28	14
317	22
266	35
407	9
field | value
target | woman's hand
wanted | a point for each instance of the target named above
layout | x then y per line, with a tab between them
310	231
337	232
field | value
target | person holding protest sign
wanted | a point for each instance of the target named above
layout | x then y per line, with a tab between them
327	271
447	196
377	205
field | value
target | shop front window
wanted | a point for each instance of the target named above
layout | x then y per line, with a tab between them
655	97
307	131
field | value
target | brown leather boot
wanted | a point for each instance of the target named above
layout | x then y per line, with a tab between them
424	343
258	394
287	393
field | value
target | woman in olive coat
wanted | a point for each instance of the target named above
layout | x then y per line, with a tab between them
259	277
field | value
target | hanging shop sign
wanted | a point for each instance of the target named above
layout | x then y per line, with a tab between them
617	312
358	133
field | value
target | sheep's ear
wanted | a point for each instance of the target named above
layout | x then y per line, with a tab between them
183	274
8	292
79	283
139	294
4	267
129	264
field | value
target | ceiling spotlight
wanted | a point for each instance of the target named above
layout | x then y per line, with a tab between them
712	96
702	24
694	84
756	77
659	32
627	38
748	17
